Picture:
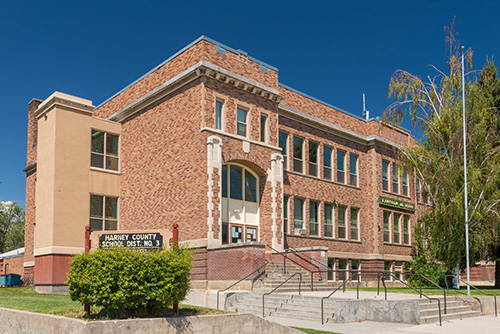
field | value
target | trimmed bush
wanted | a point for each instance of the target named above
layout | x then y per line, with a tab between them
130	282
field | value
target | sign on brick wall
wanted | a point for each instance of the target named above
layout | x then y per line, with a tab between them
396	204
131	240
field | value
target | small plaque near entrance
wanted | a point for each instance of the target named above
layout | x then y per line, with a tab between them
131	240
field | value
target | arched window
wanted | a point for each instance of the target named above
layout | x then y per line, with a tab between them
240	204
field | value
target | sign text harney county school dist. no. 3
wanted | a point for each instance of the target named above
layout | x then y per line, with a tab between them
396	204
131	240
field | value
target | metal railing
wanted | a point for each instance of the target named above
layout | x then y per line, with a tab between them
331	294
472	286
409	286
244	278
276	288
285	257
420	276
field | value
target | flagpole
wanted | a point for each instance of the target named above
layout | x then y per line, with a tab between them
465	179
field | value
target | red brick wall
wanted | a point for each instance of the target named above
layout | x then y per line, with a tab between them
233	263
203	50
13	266
163	166
52	269
199	264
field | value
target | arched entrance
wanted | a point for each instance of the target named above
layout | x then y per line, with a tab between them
240	204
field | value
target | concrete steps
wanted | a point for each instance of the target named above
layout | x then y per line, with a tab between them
429	312
277	274
282	305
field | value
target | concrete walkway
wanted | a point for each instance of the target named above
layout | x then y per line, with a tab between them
482	325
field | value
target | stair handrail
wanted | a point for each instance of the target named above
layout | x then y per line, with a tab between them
276	288
294	251
297	263
331	294
472	286
430	281
266	262
409	286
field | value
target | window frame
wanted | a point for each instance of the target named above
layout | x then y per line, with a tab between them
418	190
219	114
317	221
313	166
325	167
395	179
343	165
385	175
406	230
105	155
286	213
342	229
353	177
302	203
284	150
404	188
356	229
386	223
103	218
263	127
296	160
238	122
396	228
332	218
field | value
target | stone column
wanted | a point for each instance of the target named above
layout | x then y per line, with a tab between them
214	171
276	178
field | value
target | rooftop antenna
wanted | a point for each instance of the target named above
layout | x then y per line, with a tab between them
366	113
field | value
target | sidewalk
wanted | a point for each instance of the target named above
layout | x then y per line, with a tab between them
483	325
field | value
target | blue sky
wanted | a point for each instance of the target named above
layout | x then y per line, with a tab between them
332	50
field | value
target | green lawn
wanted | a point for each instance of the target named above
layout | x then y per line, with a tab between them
434	291
28	300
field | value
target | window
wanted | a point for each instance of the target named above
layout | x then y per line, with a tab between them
104	150
385	175
355	267
103	213
298	154
236	234
327	162
342	269
397	235
331	268
328	221
283	142
240	208
313	218
298	213
387	235
313	158
340	166
418	192
398	269
251	234
241	124
353	170
285	214
405	183
395	181
406	230
388	270
263	127
341	222
218	114
354	224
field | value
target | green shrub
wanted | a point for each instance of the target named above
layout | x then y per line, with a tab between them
130	282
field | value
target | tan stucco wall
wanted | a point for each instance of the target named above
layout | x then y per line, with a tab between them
65	179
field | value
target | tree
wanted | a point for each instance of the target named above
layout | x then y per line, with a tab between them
435	108
11	226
